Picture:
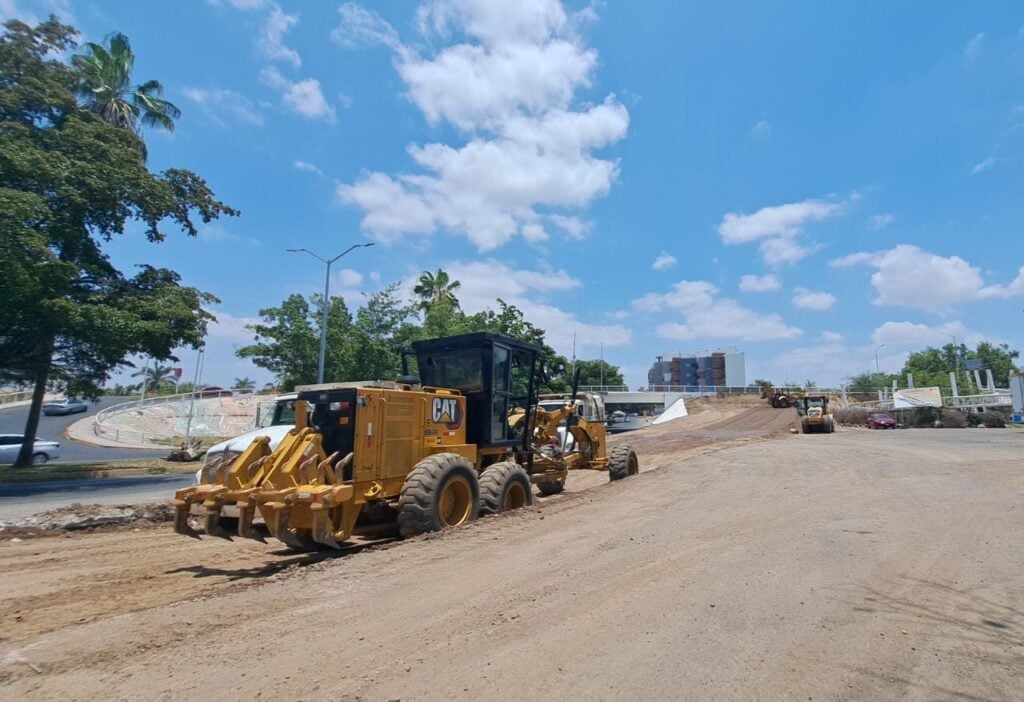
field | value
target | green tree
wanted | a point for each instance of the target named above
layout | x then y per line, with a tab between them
69	182
1000	359
105	87
287	341
154	376
599	372
869	383
433	288
245	383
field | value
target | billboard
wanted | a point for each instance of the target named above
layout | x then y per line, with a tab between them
917	397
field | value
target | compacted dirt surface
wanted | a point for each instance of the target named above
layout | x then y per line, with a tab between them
743	562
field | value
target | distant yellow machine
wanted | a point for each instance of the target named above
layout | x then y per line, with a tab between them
463	438
815	414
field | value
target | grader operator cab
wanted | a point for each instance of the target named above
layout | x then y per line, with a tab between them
463	438
815	415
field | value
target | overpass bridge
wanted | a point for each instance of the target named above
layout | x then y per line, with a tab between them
661	397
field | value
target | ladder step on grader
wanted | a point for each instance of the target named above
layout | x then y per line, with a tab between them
463	438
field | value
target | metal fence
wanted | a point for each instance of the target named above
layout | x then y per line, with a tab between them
104	428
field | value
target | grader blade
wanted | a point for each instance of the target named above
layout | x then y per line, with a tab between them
182	506
246	512
212	523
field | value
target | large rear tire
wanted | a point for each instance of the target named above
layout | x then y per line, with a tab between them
441	491
622	463
504	487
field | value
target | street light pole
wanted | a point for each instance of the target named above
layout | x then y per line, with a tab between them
877	371
327	292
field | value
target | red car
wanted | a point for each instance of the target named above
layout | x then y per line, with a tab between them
881	421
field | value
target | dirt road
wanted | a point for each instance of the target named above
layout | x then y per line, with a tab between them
855	565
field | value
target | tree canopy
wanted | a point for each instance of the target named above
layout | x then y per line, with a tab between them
932	366
369	347
70	182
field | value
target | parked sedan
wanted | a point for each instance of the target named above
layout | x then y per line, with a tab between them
68	406
42	451
881	421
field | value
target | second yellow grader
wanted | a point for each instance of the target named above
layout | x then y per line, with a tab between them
461	439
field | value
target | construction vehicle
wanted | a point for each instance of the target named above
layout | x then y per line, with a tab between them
815	415
781	397
463	438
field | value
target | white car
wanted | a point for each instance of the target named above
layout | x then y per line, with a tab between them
62	407
42	451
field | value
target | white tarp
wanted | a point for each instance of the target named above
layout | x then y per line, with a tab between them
917	397
675	411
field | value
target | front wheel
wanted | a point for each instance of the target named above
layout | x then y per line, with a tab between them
441	491
39	459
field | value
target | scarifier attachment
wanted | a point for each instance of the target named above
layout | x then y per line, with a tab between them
221	484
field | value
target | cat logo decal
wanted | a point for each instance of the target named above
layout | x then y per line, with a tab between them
446	410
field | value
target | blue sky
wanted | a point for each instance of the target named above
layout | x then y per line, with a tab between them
804	181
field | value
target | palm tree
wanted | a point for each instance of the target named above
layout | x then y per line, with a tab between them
105	74
155	376
244	384
436	287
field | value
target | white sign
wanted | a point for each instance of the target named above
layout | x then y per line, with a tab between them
917	397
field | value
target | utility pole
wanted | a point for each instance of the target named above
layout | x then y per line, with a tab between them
877	372
602	364
326	303
200	358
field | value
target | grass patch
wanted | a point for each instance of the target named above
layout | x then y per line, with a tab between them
104	469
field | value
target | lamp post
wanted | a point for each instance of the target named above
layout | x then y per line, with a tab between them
327	292
877	371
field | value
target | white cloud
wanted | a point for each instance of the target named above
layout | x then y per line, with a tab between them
663	262
213	233
308	167
764	283
778	221
305	97
271	40
813	300
761	130
778	226
230	327
243	5
482	282
776	251
907	276
974	46
911	334
224	106
509	88
574	227
707	316
983	166
9	10
830	337
880	221
349	278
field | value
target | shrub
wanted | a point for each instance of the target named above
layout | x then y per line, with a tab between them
924	417
953	419
993	420
852	417
974	419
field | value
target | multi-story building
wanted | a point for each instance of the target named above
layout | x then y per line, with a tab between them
721	367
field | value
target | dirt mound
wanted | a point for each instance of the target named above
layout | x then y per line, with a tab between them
79	517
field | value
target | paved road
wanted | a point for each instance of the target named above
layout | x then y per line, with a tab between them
21	500
12	421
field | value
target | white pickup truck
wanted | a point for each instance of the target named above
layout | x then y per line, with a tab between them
274	423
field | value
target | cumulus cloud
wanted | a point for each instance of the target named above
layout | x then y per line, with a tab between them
912	334
304	97
213	233
229	327
508	87
763	283
777	227
907	276
663	262
813	300
708	316
482	282
244	5
226	106
349	278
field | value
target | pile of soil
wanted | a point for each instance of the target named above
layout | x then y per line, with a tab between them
79	517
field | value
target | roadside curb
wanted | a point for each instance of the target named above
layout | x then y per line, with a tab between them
82	432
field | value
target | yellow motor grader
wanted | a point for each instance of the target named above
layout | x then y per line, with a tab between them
462	438
815	415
